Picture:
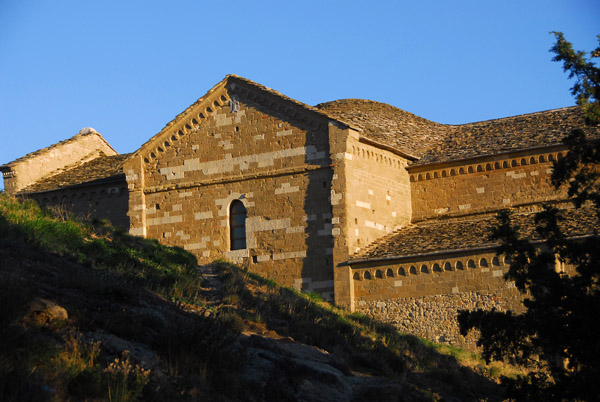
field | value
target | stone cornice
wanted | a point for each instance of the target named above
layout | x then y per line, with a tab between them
192	117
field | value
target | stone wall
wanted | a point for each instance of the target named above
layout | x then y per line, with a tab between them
378	193
233	147
105	201
486	184
434	317
422	296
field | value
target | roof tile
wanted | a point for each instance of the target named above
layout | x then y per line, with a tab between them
101	168
441	235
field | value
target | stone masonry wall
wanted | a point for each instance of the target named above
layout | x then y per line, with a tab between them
378	193
232	147
422	296
434	317
105	201
484	185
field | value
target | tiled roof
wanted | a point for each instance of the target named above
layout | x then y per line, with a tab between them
314	109
434	143
76	137
446	235
507	134
101	168
388	125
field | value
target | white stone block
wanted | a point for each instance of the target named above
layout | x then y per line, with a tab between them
203	215
362	204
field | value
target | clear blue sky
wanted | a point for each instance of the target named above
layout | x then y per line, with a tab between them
126	68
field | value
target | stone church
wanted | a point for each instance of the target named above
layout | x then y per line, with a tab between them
382	211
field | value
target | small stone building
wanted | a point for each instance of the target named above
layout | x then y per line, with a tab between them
82	174
378	209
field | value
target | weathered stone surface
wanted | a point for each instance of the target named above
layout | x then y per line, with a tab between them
356	200
43	310
308	373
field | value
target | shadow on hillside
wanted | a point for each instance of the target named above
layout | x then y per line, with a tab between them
185	349
365	345
194	354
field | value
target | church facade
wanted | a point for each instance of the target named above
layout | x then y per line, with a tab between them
372	207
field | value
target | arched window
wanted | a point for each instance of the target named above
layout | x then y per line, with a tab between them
237	226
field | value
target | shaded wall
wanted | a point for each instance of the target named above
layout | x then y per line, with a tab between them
105	201
423	296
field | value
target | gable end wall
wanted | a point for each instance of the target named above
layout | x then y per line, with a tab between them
279	167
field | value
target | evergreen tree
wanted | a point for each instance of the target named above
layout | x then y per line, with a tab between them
556	337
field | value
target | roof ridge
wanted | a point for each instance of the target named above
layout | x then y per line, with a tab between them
514	116
322	104
66	168
295	101
63	142
74	167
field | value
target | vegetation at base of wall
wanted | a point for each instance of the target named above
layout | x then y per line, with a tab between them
139	330
365	344
170	271
122	293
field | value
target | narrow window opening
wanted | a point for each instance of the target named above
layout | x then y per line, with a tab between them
237	225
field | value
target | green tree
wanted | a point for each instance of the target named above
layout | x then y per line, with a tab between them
556	337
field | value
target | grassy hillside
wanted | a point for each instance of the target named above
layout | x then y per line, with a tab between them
88	312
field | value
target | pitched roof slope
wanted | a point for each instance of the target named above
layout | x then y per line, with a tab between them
507	134
101	168
439	236
388	125
76	137
436	143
